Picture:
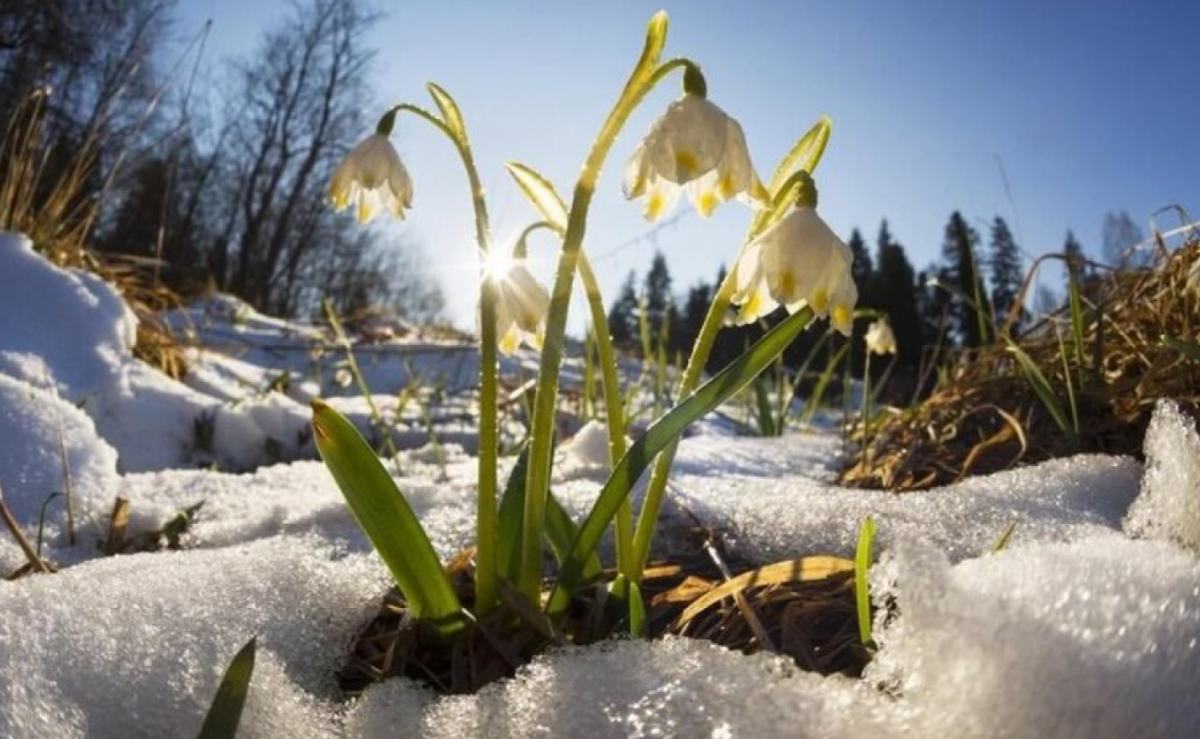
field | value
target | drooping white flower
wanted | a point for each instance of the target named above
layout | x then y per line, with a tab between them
798	261
372	176
521	307
880	339
695	147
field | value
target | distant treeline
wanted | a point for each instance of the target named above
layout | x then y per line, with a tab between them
954	303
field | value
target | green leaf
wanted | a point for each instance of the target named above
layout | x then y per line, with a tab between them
541	193
806	153
450	113
559	532
387	520
1041	386
766	419
1002	542
661	434
862	593
225	713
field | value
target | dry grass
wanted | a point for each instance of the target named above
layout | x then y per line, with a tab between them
804	609
985	416
48	194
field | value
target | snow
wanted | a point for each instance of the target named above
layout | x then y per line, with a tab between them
1169	507
1086	625
31	468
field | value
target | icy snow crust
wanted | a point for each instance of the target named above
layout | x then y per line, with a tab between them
1086	625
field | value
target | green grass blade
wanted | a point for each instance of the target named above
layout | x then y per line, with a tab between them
225	713
862	591
766	421
1041	386
1076	304
387	520
1005	537
818	393
662	433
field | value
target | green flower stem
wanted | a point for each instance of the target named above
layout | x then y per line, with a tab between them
866	408
645	76
614	405
486	590
648	518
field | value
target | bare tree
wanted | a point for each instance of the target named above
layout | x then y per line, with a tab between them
293	112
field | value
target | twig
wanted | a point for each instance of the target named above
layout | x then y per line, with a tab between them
6	516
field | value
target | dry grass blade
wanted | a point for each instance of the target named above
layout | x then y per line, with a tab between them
1000	406
35	562
805	569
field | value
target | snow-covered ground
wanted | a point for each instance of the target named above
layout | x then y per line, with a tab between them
1086	625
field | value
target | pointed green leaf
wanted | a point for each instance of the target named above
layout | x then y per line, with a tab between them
225	713
662	433
1041	386
1005	537
450	113
387	520
541	193
805	154
560	530
862	593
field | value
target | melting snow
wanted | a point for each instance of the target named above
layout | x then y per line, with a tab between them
1087	625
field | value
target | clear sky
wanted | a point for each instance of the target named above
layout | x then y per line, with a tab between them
1090	106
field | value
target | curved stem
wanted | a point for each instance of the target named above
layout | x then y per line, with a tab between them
614	405
486	589
640	83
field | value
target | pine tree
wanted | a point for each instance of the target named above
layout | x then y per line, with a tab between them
893	290
622	317
1007	271
862	267
657	291
1120	234
1075	259
960	272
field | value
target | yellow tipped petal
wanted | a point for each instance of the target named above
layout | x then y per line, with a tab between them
708	202
655	204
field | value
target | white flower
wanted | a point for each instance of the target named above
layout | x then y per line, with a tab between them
798	261
880	339
371	176
693	146
521	307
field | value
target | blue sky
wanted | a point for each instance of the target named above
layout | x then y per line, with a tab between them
1090	106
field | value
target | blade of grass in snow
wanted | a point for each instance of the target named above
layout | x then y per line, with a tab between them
862	593
225	713
1005	537
387	520
662	433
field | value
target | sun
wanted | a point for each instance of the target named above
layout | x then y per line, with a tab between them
497	265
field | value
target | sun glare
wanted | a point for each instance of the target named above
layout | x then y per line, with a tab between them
498	264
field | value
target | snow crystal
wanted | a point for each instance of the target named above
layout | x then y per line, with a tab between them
30	465
1168	507
625	688
135	646
776	499
589	446
1096	638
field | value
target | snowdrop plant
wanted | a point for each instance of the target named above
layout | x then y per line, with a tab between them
791	258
